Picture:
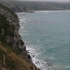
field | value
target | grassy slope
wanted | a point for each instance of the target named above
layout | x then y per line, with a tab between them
9	59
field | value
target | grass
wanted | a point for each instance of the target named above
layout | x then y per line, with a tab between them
10	48
13	61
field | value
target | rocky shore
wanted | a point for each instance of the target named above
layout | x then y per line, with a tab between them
14	39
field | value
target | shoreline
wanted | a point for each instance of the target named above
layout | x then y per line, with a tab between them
34	11
33	53
41	64
46	11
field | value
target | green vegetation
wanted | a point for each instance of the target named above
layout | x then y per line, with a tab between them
21	42
10	48
3	25
11	64
11	61
11	56
3	22
5	28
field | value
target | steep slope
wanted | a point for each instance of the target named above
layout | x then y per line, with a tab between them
11	61
13	54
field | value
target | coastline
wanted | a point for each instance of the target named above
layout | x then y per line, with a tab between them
44	11
42	65
40	11
28	52
32	51
39	63
33	55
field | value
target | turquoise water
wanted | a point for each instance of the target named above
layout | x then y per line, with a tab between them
48	33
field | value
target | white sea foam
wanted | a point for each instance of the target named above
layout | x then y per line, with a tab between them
52	58
41	11
39	63
47	11
22	26
24	34
23	20
22	17
67	67
34	50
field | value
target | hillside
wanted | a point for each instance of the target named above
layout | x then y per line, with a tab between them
13	54
11	61
25	6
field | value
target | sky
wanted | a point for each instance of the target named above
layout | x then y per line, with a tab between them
46	0
43	0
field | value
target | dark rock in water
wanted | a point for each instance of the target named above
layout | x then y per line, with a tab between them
28	52
37	62
33	55
49	64
29	57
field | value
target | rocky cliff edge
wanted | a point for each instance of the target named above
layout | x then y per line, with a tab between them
13	54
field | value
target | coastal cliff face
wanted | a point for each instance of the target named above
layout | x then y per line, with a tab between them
14	39
12	48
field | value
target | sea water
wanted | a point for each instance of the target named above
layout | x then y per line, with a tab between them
47	36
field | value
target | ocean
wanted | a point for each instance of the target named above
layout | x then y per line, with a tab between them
47	37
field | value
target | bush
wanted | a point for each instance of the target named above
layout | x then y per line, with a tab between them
21	42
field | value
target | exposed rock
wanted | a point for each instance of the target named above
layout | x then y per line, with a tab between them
15	40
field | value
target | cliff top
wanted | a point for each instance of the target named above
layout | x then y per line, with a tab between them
4	7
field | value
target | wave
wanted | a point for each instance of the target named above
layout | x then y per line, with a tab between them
52	58
22	26
67	67
39	63
24	34
41	11
48	11
22	20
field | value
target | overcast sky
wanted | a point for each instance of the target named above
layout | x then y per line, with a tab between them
46	0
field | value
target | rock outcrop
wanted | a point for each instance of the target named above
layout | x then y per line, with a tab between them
15	39
10	36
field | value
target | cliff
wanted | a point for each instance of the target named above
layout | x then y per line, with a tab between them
13	54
